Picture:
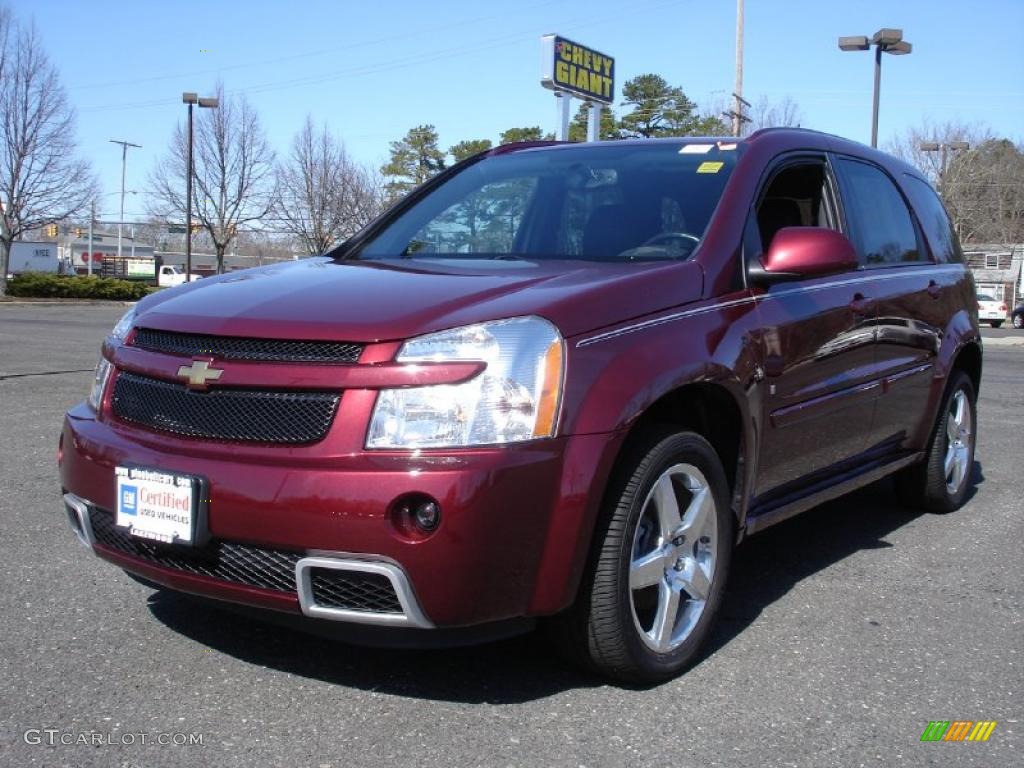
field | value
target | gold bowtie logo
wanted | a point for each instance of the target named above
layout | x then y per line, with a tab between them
199	374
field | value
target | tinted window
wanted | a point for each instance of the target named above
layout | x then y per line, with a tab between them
879	221
485	221
615	203
935	221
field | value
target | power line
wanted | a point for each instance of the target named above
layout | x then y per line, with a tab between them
298	56
421	58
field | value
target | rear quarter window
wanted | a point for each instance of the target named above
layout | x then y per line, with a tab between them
934	220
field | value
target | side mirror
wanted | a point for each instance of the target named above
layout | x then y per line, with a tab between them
799	252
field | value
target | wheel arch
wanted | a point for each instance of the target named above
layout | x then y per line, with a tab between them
968	360
711	410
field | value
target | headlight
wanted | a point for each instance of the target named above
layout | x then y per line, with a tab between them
514	399
99	383
124	325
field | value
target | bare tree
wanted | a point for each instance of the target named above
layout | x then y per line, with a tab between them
234	179
323	196
264	246
41	181
983	186
907	146
764	113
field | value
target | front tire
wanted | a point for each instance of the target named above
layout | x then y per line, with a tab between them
1018	321
657	574
941	482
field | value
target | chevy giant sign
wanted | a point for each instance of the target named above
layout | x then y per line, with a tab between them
576	69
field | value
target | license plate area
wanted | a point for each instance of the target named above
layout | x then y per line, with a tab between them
162	507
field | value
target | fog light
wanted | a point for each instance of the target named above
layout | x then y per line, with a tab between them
427	515
415	516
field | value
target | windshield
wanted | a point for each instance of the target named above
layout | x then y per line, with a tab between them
628	202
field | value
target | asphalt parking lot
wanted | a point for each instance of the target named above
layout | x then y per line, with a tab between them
844	632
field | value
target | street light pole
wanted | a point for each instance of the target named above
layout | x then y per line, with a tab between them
210	103
124	162
884	41
190	99
945	150
874	102
92	218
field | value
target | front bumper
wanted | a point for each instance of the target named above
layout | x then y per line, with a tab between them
515	528
364	591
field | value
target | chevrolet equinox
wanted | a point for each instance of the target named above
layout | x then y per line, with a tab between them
557	381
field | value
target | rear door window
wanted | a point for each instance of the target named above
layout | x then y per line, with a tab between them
880	224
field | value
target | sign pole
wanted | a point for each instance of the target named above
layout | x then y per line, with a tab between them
570	69
564	105
594	122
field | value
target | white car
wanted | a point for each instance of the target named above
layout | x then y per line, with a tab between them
171	275
991	311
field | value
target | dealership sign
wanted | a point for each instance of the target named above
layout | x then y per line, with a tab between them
576	69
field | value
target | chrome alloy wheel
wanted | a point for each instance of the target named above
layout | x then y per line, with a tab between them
673	557
958	442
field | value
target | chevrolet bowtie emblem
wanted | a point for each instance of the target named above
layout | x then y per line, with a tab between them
199	374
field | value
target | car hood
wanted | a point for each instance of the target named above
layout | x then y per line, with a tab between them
368	301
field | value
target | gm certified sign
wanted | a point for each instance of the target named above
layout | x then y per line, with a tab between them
576	69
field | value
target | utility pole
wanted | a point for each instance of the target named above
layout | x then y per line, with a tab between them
124	162
737	108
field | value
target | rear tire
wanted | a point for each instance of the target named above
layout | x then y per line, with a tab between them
1018	321
941	482
996	323
658	569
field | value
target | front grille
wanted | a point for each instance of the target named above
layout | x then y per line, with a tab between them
240	348
237	563
354	591
224	414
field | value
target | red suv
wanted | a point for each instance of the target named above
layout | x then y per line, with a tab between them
557	380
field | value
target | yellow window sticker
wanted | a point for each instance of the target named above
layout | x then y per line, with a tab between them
710	166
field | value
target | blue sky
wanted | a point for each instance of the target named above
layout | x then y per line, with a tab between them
372	70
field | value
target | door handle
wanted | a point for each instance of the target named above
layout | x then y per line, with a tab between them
860	304
934	289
